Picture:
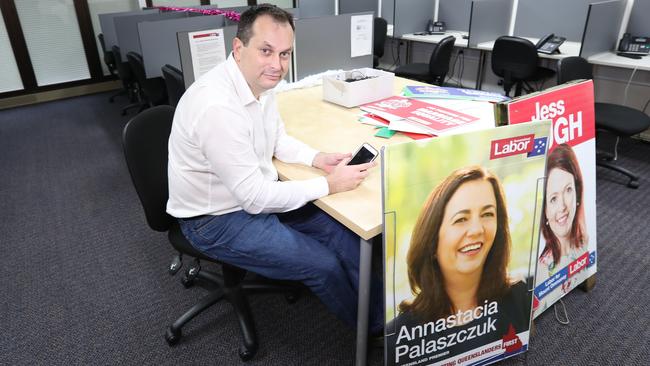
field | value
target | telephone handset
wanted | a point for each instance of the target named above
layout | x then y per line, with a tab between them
633	46
549	44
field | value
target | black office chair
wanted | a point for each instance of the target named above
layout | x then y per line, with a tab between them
174	82
618	120
153	91
435	71
128	79
380	27
109	61
516	61
145	140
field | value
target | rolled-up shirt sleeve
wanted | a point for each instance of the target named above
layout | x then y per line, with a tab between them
231	154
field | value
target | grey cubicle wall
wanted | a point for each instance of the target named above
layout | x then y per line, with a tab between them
388	11
158	37
455	14
315	53
108	26
357	6
411	16
489	20
315	8
127	29
183	49
565	18
602	26
639	23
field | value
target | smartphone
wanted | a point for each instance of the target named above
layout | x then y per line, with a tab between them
365	154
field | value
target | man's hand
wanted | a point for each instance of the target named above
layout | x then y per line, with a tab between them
347	177
328	161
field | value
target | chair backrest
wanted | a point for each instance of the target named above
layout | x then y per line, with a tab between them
379	37
573	68
174	82
109	58
137	66
123	68
144	139
440	57
514	58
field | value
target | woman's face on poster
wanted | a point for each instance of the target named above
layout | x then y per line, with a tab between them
560	202
468	229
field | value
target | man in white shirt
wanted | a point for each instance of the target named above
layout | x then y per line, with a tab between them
224	188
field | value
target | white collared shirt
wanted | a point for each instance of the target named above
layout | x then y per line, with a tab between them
221	148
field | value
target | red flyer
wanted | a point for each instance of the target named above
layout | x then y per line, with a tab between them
433	118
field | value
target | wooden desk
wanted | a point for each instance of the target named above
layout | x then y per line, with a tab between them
332	128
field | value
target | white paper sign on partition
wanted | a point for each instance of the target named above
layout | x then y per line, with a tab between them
208	49
360	35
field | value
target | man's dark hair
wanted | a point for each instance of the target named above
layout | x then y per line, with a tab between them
247	18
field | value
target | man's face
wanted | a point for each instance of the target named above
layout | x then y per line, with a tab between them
265	60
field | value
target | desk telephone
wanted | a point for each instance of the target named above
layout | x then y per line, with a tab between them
633	46
433	28
549	44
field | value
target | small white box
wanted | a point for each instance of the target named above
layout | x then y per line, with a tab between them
372	86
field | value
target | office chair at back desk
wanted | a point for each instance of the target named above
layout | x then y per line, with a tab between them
618	120
128	79
380	27
436	70
144	140
109	61
174	82
153	91
515	60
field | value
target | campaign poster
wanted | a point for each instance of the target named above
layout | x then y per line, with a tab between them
461	229
567	252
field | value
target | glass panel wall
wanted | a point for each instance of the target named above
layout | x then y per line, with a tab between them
9	74
53	40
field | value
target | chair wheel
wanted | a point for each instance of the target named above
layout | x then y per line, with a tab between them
187	281
246	354
633	183
172	337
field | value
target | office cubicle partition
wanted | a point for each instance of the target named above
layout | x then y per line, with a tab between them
108	26
455	14
639	23
489	20
185	54
158	40
316	8
411	16
127	29
387	11
602	27
323	44
357	6
563	18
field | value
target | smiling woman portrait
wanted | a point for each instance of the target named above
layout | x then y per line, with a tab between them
457	263
563	226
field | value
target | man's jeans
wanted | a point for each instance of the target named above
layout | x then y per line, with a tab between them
305	245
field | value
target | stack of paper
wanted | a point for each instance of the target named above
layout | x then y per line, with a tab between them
437	118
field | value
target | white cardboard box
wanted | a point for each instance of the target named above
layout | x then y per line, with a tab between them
353	93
